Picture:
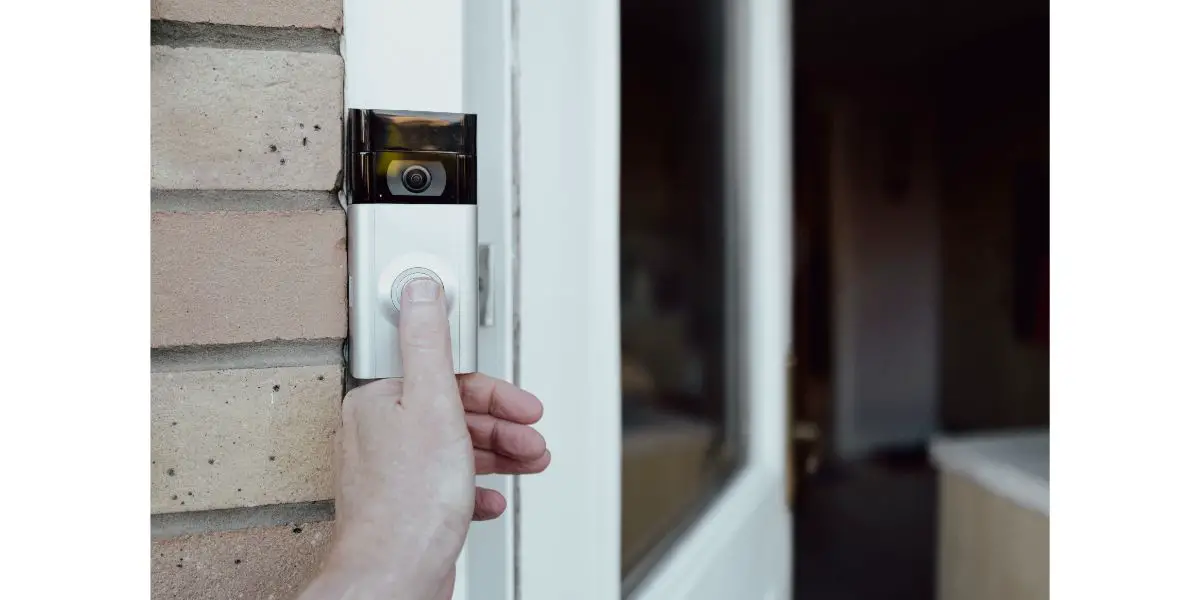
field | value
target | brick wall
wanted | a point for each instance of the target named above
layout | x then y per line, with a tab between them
249	298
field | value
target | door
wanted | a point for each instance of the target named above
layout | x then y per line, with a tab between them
652	304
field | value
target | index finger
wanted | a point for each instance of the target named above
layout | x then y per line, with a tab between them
425	342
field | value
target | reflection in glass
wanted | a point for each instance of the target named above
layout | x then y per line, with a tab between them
676	236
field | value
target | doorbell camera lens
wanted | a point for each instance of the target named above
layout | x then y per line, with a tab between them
410	157
407	178
416	179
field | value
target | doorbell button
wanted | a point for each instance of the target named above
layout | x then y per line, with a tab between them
411	274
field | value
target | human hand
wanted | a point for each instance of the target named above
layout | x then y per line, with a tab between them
407	455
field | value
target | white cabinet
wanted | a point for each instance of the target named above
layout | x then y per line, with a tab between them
994	517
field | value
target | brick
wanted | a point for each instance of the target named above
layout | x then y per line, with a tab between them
266	563
243	437
265	13
244	119
224	278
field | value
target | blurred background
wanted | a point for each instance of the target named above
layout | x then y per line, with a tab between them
921	176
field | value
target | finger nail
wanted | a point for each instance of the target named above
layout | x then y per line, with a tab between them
422	289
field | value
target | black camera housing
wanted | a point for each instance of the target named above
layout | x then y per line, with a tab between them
384	148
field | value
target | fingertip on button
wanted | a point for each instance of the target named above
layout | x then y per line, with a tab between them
421	289
417	286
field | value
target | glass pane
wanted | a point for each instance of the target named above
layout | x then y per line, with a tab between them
676	238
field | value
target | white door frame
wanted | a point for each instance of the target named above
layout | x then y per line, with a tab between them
568	520
567	94
543	76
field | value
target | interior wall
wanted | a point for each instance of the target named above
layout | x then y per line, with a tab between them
886	266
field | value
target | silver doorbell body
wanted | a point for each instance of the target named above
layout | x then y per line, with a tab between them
411	199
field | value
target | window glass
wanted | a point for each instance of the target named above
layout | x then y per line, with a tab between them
678	343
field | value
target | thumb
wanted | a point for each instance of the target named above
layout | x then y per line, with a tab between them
425	342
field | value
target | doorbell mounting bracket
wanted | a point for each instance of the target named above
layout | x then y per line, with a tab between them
411	203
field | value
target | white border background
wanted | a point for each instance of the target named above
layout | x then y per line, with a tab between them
1125	228
1126	120
75	246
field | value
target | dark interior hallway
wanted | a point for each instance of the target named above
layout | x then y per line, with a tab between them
864	531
